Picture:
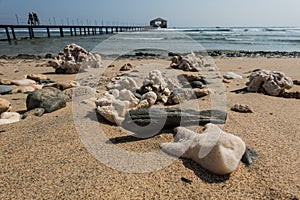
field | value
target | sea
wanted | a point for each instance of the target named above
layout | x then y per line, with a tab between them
160	41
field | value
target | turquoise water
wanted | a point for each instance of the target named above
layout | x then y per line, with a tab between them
175	39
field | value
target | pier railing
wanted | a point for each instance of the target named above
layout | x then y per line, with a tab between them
71	30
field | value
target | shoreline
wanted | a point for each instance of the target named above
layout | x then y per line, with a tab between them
145	55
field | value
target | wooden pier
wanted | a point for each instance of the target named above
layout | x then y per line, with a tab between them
71	30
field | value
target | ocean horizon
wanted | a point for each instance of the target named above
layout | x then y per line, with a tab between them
179	39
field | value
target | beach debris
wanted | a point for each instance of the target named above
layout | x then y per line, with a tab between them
63	85
113	106
5	82
38	112
155	82
295	95
5	89
179	95
147	100
24	89
269	82
124	95
232	75
214	149
225	81
146	121
73	58
23	82
242	108
249	156
36	77
196	84
127	67
190	62
186	180
183	78
124	83
49	98
296	82
9	117
4	105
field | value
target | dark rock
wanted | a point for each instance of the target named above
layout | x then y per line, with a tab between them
47	81
137	95
186	180
4	57
38	112
249	156
295	95
126	67
48	56
296	82
196	84
49	98
26	56
241	108
60	71
148	122
4	89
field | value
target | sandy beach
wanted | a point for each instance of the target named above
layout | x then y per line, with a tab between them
44	157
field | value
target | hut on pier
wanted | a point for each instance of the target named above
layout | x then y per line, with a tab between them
159	22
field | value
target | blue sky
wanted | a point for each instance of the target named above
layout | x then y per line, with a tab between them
179	13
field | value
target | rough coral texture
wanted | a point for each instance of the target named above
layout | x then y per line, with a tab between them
270	82
190	62
155	82
215	150
72	58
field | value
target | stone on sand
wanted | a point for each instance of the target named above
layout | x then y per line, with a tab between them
127	67
9	117
242	108
36	77
215	150
4	105
232	75
49	98
38	112
5	89
23	82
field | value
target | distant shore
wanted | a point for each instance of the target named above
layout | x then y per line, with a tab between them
143	55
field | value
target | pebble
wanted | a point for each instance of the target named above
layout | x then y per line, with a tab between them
241	108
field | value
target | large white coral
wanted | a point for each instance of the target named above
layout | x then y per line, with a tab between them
214	149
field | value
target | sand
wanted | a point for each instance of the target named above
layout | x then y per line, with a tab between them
45	157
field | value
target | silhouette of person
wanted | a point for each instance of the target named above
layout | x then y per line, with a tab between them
35	19
30	19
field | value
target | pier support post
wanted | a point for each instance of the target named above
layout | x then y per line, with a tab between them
75	31
13	33
106	30
80	32
7	34
84	30
71	31
31	34
61	32
48	32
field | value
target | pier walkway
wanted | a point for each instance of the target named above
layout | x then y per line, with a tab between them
64	30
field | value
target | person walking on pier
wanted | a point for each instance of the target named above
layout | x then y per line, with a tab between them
30	19
35	19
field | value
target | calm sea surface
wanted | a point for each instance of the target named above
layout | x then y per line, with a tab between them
180	40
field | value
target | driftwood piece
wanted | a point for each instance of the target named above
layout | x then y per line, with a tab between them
153	120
